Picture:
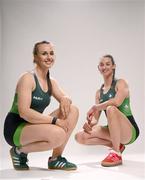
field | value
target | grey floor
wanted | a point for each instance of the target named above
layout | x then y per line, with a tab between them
88	168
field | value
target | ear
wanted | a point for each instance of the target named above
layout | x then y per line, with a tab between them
114	66
35	59
98	68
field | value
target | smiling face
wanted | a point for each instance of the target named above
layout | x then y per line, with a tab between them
44	55
106	66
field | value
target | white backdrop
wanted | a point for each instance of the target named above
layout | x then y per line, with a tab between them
0	78
82	31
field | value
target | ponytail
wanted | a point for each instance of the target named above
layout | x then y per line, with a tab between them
49	83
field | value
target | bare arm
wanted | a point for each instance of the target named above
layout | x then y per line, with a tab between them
92	115
92	112
62	98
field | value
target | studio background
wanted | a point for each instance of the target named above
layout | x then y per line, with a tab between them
82	31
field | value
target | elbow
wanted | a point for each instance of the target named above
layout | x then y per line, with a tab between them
23	113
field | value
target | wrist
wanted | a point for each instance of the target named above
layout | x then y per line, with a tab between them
94	108
66	97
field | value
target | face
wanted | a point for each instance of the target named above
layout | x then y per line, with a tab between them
106	67
45	56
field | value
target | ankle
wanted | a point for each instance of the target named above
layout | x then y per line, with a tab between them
116	152
18	150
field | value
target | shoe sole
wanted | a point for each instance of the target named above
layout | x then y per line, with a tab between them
111	164
21	169
65	169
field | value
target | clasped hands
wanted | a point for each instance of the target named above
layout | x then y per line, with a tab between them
65	104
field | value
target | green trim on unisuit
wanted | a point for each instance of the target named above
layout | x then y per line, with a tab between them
16	137
14	108
133	136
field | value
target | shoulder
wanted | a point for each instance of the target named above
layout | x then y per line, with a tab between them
121	85
27	78
121	82
98	94
53	81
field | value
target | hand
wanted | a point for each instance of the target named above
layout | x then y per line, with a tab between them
93	122
91	113
87	128
63	124
65	106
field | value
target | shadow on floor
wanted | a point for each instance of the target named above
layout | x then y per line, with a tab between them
129	167
35	172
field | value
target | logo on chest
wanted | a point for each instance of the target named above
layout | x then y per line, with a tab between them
110	95
37	98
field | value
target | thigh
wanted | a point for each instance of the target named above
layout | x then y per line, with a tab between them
125	126
41	132
12	122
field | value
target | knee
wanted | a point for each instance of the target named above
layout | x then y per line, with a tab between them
59	136
74	109
111	110
74	112
80	138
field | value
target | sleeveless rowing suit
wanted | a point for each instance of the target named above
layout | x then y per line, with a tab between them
14	123
124	108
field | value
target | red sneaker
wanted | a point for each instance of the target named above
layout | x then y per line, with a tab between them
112	159
122	148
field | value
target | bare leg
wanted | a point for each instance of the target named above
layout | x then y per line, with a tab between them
98	136
119	131
40	137
119	127
72	120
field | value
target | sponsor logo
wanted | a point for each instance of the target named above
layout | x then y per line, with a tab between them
126	106
101	100
38	98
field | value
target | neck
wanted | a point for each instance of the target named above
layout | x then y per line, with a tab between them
107	81
41	73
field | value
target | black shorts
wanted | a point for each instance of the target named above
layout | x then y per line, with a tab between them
132	120
12	122
135	129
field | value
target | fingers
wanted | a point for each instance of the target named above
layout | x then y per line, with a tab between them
63	111
88	132
65	108
87	127
89	118
90	114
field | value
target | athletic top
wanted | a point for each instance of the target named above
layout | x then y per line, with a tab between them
40	99
124	107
